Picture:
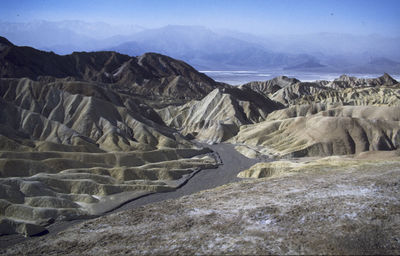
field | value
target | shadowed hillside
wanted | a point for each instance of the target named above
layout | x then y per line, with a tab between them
150	75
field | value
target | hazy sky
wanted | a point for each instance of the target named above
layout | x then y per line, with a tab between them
254	16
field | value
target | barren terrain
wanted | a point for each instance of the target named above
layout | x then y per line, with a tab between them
103	153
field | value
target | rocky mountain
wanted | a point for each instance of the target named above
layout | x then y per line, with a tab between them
150	75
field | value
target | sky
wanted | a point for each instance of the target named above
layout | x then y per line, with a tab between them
360	17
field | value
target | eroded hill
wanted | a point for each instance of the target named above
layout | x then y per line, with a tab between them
79	135
345	116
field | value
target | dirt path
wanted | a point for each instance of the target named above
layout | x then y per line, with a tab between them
232	163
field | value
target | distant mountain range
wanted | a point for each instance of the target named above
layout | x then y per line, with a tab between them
207	49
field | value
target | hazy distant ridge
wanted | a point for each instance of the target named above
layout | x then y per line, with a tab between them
207	49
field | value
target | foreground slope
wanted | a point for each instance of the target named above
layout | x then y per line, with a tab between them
327	209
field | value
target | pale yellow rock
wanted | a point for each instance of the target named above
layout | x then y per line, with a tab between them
331	163
338	131
218	116
247	151
261	170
